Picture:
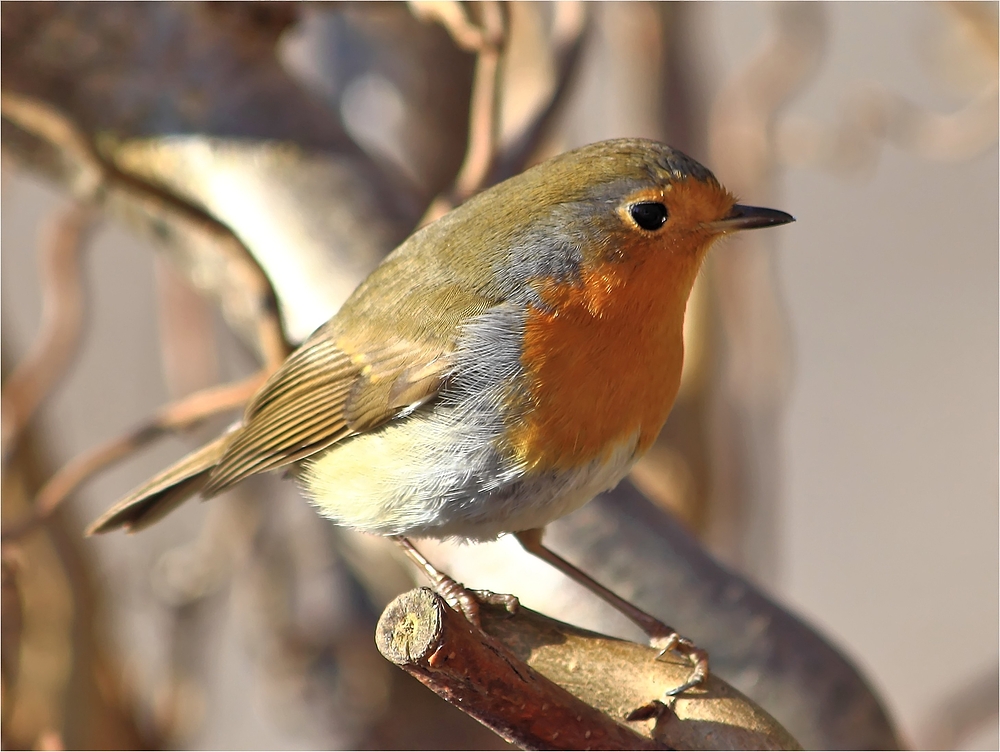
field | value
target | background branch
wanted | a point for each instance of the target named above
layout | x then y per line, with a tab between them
177	416
62	321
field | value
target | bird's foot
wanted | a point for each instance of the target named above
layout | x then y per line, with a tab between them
683	647
459	597
669	641
467	601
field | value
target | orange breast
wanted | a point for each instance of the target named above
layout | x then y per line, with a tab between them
604	363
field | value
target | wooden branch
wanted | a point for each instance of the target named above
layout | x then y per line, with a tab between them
543	684
58	339
423	636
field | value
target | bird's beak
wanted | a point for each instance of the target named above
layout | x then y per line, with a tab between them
750	218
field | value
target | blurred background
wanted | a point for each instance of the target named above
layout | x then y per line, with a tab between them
835	442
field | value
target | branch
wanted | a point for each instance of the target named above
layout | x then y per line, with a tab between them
247	295
62	316
176	416
423	636
484	110
574	23
548	685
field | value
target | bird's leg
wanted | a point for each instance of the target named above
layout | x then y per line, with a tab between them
455	593
663	638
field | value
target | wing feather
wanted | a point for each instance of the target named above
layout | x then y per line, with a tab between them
322	395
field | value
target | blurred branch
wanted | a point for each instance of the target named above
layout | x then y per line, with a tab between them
547	685
11	627
750	326
62	321
963	712
485	162
742	119
484	111
179	415
573	24
252	295
452	16
876	114
66	690
981	19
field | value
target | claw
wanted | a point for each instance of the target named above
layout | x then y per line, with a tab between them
510	602
682	646
459	598
655	709
468	601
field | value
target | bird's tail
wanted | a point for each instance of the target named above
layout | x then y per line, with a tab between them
154	499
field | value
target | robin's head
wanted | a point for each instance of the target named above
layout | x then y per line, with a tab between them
613	202
635	196
610	207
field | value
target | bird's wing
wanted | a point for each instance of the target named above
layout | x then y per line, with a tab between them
157	497
323	394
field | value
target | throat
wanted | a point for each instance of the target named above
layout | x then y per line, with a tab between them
603	362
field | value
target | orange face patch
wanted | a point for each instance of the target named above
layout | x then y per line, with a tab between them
690	204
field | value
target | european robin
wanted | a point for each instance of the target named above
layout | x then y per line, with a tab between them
498	370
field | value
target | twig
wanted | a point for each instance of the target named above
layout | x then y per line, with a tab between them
452	16
97	174
438	646
876	115
179	415
573	24
484	109
742	121
485	162
62	314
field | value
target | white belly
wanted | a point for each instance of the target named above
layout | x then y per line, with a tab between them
431	475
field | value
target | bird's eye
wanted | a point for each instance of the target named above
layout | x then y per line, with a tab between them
649	215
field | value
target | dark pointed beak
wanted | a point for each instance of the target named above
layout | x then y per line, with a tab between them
750	218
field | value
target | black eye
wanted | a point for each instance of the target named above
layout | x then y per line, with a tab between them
649	215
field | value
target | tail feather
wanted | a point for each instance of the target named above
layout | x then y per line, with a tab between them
156	498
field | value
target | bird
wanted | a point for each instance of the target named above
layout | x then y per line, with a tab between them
500	368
